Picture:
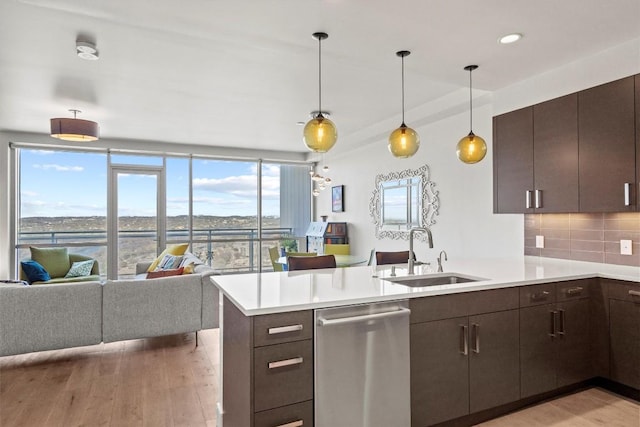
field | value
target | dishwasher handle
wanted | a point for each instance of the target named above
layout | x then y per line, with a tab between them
363	318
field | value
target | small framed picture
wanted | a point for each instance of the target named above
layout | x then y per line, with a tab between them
337	198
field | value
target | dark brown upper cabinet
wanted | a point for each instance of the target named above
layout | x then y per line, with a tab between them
536	158
513	161
637	181
576	153
555	155
606	131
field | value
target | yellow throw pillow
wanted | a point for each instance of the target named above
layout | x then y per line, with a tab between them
178	249
189	268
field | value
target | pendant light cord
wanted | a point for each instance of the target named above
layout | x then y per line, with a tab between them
319	76
470	105
402	58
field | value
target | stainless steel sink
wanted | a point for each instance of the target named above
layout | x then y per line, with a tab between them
434	280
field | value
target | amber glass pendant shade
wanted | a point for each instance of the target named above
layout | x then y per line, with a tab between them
471	149
320	134
404	142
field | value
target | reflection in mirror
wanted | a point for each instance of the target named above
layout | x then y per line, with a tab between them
402	200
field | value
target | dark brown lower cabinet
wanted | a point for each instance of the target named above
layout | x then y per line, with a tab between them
554	337
624	323
463	365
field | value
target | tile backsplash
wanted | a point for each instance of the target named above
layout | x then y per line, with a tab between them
584	237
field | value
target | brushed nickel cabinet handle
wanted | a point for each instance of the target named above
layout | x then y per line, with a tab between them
464	340
540	296
575	291
627	194
292	424
634	293
527	198
538	199
286	362
561	329
284	329
475	330
552	319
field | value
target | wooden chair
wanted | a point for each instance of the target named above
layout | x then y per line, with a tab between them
401	257
274	254
337	249
311	263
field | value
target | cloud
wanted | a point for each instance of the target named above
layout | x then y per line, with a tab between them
42	208
27	193
59	168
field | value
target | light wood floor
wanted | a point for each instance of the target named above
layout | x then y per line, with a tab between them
169	382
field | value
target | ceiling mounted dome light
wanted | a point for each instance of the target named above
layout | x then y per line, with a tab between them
74	129
472	148
320	134
404	141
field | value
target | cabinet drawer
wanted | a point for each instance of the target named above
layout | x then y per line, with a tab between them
492	301
573	289
624	291
283	374
544	293
282	327
427	309
298	415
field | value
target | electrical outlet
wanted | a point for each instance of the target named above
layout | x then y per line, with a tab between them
625	247
539	241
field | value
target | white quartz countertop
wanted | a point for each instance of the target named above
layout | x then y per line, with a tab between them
277	292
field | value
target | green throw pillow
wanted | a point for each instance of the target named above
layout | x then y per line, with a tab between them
54	260
80	268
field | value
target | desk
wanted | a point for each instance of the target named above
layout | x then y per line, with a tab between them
341	260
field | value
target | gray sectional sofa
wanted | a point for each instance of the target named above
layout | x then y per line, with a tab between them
54	316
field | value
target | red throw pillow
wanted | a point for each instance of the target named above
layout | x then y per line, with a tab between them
165	273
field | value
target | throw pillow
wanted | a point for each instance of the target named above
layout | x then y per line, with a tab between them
35	271
169	262
164	273
80	268
179	249
54	260
189	268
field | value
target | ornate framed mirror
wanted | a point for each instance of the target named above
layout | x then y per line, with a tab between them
403	200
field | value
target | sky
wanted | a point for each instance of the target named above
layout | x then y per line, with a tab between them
55	183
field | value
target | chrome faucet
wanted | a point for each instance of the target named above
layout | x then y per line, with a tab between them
440	260
411	261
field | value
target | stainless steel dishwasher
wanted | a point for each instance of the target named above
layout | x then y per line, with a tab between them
362	366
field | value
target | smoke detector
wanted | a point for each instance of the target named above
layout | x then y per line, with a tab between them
86	50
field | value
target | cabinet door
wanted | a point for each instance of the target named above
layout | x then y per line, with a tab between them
494	363
625	342
537	350
512	161
637	182
555	155
574	357
439	371
607	157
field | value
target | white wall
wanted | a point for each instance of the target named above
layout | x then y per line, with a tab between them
466	225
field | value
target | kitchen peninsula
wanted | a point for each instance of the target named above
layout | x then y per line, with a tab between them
483	347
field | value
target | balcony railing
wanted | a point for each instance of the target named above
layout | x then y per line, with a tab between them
205	243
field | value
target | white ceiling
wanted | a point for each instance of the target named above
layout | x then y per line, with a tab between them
242	73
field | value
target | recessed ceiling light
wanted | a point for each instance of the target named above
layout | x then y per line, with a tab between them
510	38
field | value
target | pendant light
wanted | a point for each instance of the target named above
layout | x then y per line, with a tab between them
74	129
472	148
320	133
404	141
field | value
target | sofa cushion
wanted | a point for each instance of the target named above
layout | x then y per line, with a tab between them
82	279
54	260
178	249
34	271
80	269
